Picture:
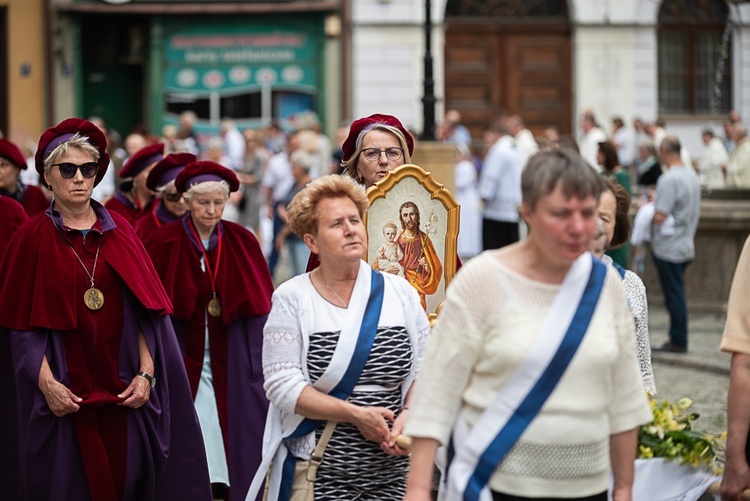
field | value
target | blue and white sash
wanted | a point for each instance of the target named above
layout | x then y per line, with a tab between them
340	377
481	450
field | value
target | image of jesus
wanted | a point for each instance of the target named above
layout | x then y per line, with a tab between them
421	264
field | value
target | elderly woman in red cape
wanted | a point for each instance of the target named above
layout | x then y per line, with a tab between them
102	403
170	205
12	163
218	281
133	199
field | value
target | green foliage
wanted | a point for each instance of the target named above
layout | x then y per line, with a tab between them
670	435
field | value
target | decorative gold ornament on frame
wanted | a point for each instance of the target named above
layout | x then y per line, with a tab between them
412	227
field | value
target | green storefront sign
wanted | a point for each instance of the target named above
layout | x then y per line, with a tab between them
240	59
253	72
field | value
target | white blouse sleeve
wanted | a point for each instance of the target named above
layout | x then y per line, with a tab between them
635	292
284	375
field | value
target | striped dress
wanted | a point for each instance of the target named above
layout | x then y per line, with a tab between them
354	468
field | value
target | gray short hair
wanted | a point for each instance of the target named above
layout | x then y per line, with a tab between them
550	168
302	159
206	188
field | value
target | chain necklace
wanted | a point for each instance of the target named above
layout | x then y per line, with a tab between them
93	298
343	303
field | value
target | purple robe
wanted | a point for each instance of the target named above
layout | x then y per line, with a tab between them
235	339
165	458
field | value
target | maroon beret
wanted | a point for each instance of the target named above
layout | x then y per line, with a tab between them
64	131
167	169
201	172
350	145
141	159
11	152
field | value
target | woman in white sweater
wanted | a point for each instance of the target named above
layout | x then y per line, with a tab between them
342	343
530	373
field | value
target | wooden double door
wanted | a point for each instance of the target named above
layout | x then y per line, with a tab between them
523	70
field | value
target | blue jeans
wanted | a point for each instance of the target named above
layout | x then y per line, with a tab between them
672	279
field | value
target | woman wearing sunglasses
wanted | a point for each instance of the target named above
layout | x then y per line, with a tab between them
12	163
133	199
218	281
102	406
169	206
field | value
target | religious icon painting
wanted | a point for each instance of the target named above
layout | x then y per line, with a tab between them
412	229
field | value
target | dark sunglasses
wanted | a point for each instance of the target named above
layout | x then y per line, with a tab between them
68	169
172	197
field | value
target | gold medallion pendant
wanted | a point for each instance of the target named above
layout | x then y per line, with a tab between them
93	299
214	307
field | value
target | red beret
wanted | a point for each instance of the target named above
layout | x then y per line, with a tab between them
350	145
11	152
167	169
200	172
62	132
141	159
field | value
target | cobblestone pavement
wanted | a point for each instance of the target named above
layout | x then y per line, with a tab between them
701	374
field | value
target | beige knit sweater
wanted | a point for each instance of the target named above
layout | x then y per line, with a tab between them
485	329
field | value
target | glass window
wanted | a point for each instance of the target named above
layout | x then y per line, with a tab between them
507	8
241	106
694	57
179	102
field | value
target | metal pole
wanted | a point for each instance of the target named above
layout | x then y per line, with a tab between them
428	99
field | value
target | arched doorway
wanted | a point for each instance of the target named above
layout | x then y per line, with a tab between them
511	55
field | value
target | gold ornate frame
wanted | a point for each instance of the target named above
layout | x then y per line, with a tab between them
439	219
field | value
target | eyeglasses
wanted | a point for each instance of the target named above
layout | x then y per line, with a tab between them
68	169
392	153
172	197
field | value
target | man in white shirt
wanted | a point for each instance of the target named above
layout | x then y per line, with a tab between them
714	160
592	136
738	166
623	141
523	137
234	143
500	190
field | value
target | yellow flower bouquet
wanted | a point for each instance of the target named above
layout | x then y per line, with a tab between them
670	436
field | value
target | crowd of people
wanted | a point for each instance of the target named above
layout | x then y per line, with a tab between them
145	353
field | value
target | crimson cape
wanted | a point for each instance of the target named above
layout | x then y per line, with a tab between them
30	197
12	216
159	444
235	339
156	218
122	205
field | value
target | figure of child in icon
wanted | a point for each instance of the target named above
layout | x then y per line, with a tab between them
389	253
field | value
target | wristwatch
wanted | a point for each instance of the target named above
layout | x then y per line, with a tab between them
151	379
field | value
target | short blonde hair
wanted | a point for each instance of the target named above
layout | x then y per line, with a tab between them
301	212
350	165
206	188
77	142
